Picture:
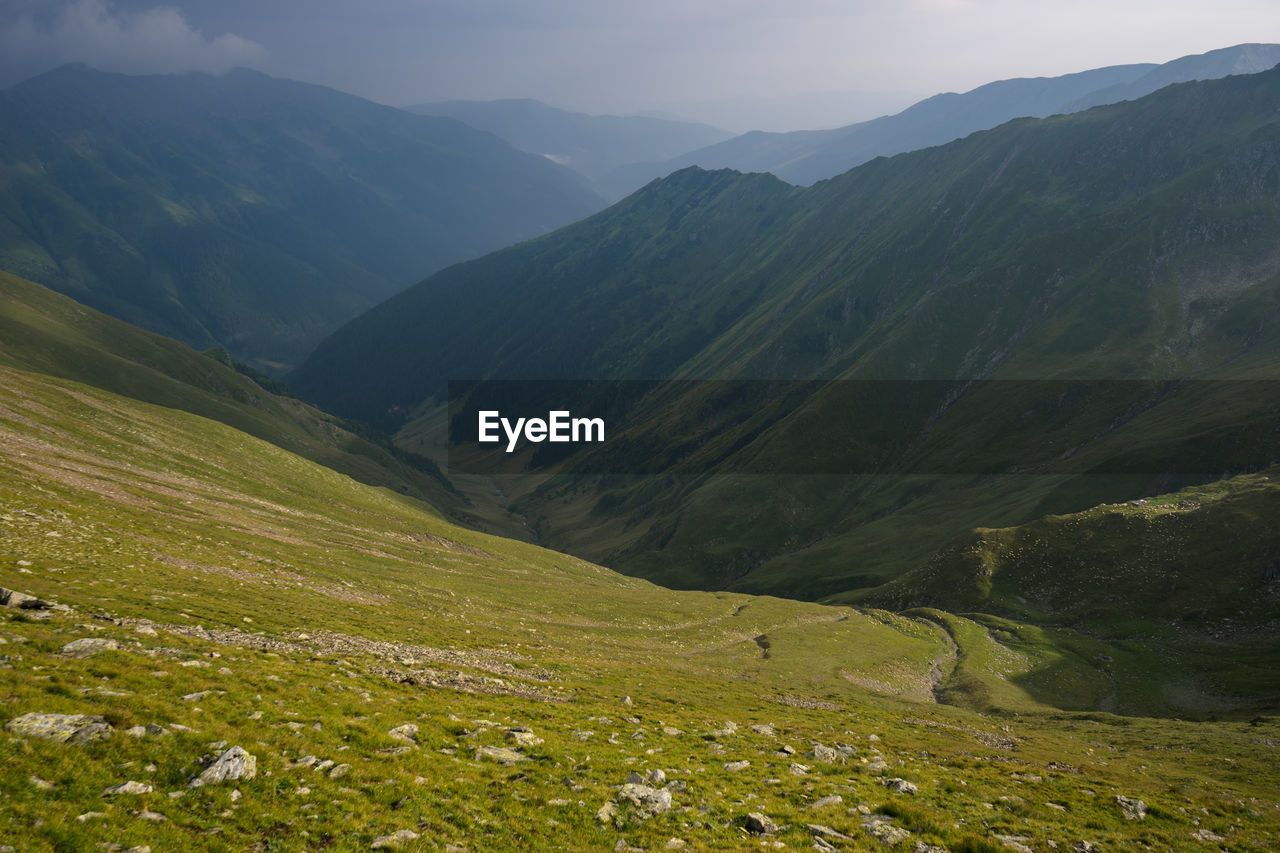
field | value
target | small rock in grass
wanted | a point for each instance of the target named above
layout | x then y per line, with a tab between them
235	763
523	737
408	733
1133	809
735	766
500	754
88	647
130	787
63	728
901	786
393	841
757	824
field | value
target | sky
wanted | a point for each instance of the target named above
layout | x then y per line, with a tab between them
742	64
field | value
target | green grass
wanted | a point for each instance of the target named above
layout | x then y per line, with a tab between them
128	511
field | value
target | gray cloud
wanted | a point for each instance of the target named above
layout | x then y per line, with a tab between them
157	39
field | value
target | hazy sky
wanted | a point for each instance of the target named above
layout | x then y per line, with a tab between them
618	57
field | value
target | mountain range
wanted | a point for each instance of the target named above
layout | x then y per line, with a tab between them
249	212
1127	243
804	157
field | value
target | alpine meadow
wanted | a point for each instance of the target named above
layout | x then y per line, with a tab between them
909	484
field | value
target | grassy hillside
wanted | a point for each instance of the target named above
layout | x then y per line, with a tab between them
46	333
249	212
1126	244
242	596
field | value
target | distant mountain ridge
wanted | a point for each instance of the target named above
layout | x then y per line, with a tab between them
594	145
247	211
804	157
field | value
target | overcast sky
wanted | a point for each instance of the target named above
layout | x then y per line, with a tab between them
692	57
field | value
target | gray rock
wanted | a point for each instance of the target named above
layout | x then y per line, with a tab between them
901	786
1207	837
827	832
63	728
523	737
763	729
339	771
657	776
735	766
1132	809
634	778
408	733
500	754
798	769
88	816
886	833
1016	843
393	841
824	753
921	847
88	647
235	763
607	813
154	817
130	787
12	598
41	784
647	800
1085	847
827	802
758	824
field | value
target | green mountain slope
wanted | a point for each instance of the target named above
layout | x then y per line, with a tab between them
593	145
216	592
46	333
248	212
805	157
1129	242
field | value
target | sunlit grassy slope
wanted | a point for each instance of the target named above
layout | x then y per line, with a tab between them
262	600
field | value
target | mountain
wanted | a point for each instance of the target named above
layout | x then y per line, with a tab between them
1126	248
804	157
1241	59
211	641
249	212
592	145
